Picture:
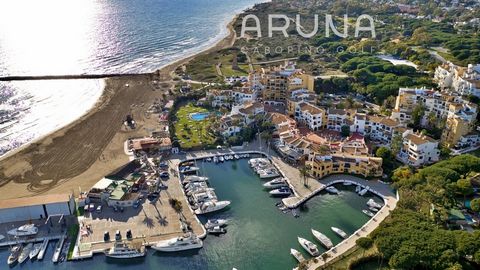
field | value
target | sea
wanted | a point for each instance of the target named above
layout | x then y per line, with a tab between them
58	37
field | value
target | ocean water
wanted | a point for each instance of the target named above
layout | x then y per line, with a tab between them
52	37
259	236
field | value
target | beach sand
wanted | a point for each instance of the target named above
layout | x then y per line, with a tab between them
76	156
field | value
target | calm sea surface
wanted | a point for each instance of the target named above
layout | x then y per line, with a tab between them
259	236
48	37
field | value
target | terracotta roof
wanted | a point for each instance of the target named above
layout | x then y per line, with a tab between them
32	201
310	108
419	139
337	111
278	118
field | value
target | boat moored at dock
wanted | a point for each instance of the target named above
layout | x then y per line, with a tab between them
35	250
186	242
25	230
211	206
298	256
215	222
25	252
332	190
373	204
123	251
281	192
339	232
43	248
310	247
14	254
275	183
368	213
323	239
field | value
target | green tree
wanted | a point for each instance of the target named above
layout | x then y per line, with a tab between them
304	173
417	115
384	153
464	187
345	131
364	243
397	143
475	204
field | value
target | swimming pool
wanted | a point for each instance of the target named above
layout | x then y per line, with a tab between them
199	116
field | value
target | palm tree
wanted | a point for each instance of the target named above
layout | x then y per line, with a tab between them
304	173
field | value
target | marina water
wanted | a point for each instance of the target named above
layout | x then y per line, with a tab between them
259	236
56	37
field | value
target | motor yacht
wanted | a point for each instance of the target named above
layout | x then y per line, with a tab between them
25	230
123	251
35	250
310	247
221	159
372	203
194	178
14	254
25	252
339	232
188	169
297	255
323	239
332	190
216	230
368	213
215	159
281	192
211	206
363	191
186	242
215	222
373	209
275	183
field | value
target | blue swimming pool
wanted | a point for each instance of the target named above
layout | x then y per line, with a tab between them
199	116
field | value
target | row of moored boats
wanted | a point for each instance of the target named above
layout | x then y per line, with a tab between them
223	158
278	187
312	248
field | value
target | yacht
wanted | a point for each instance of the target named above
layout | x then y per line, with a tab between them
35	250
236	156
221	159
297	255
215	159
275	183
373	209
323	239
25	252
123	251
189	169
373	204
217	230
58	249
332	190
310	247
215	222
209	159
211	206
363	191
199	191
25	230
43	249
14	253
339	232
368	213
189	241
280	192
194	178
358	189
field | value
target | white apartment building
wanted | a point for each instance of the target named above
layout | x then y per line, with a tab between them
418	150
310	115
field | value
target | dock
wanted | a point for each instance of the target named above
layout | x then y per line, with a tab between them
44	247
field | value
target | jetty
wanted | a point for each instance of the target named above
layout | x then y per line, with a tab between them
58	250
43	249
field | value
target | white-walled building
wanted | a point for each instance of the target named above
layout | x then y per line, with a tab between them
418	150
310	115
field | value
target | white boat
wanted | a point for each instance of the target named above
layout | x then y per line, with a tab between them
123	251
332	190
363	191
58	250
2	237
186	242
339	232
275	183
194	178
189	169
43	249
14	253
310	247
35	250
25	252
270	173
323	239
215	222
372	203
216	230
297	255
215	159
373	209
368	213
209	159
358	189
347	183
25	230
221	159
280	192
236	156
211	206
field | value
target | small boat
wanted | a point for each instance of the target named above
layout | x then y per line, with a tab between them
43	249
295	213
215	222
347	183
194	178
368	213
189	169
58	250
215	159
25	230
363	191
358	189
372	203
14	254
189	241
216	230
271	173
35	250
208	159
323	239
332	190
236	156
275	183
373	209
221	159
281	192
339	232
25	252
310	247
211	206
123	251
297	255
231	157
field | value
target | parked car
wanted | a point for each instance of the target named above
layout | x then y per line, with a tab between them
164	174
99	209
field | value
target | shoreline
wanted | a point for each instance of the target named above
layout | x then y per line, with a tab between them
25	160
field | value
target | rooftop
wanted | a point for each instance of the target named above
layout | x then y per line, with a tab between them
37	200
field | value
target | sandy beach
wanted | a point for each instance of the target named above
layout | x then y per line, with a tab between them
76	156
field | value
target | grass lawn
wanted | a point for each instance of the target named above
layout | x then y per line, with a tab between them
189	132
227	70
